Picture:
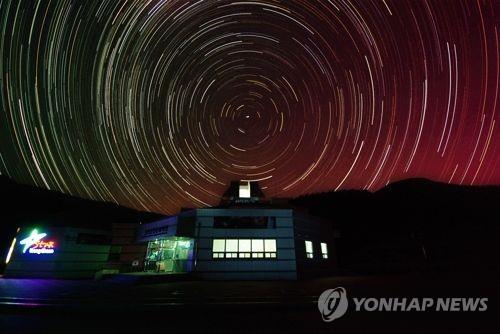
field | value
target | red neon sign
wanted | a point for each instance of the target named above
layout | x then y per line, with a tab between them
42	247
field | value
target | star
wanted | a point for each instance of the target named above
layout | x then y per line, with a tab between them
158	105
32	239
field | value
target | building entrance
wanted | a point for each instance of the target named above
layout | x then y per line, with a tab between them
170	255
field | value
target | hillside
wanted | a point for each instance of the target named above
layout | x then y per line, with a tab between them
413	224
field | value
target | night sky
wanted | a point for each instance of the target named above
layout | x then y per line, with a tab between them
159	104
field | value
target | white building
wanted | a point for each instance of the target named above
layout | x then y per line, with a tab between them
246	237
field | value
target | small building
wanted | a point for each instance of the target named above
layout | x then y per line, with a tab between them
49	251
245	237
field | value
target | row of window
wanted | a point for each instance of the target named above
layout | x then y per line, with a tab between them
243	248
255	248
310	253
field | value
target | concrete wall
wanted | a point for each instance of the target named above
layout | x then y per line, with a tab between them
125	248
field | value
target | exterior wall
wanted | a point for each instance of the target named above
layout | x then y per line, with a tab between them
177	228
145	233
162	228
289	228
125	249
282	267
73	257
317	231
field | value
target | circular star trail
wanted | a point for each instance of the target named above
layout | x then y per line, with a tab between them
159	104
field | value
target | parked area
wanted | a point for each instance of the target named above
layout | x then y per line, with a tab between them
125	302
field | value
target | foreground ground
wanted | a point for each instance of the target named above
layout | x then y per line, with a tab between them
125	304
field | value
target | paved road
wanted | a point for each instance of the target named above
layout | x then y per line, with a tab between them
121	304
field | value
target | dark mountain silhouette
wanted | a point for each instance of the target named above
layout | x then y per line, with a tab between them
24	203
415	224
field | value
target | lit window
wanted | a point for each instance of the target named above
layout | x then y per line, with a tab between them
244	245
257	248
270	248
324	250
219	245
257	245
309	249
232	245
244	189
218	248
270	245
244	248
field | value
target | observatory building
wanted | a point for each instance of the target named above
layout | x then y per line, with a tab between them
245	237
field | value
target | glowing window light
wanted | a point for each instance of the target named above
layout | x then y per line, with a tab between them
244	248
11	249
244	191
309	249
324	250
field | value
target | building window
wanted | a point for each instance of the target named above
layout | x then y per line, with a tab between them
244	189
270	248
257	248
231	248
244	248
218	248
324	250
309	249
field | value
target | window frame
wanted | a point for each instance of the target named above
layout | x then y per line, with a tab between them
260	252
309	253
324	252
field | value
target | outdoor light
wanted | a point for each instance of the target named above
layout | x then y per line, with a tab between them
11	249
182	243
